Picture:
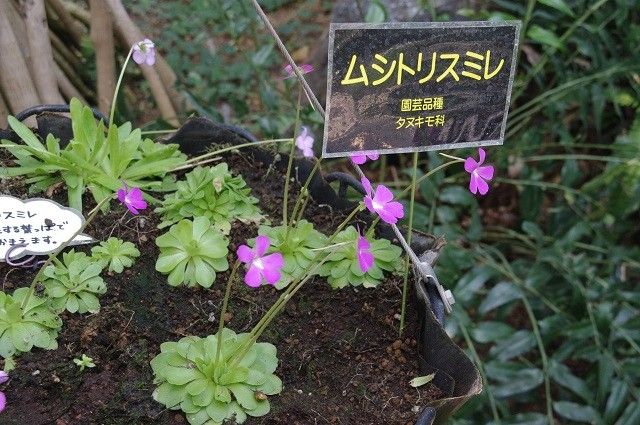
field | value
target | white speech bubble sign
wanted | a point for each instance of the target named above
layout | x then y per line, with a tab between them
41	225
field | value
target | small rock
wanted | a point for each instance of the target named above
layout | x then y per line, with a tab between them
35	372
396	344
227	317
415	409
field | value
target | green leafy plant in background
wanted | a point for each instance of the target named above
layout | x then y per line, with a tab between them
214	193
116	254
298	243
96	158
189	378
192	252
84	362
342	267
35	325
74	283
544	269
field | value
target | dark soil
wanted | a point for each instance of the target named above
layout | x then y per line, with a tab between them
340	357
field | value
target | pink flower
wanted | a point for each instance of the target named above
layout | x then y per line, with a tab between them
304	142
260	266
365	257
381	203
132	198
144	52
305	69
4	377
479	174
361	159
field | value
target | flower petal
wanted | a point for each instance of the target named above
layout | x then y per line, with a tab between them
482	155
483	187
365	261
473	183
395	208
470	165
245	254
485	172
367	185
358	159
273	261
272	276
369	204
253	278
4	376
306	68
262	245
3	401
122	195
138	56
383	194
373	156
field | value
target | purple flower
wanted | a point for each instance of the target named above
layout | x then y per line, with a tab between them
132	198
365	257
479	174
304	142
381	202
144	52
305	69
361	159
4	377
260	266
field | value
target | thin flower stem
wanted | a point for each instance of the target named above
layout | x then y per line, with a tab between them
144	133
285	206
268	317
225	303
457	158
332	246
115	93
62	246
304	189
405	283
211	154
304	206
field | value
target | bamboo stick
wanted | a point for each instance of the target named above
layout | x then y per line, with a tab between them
78	12
72	75
15	80
103	43
67	88
130	34
4	111
41	53
65	50
72	26
20	31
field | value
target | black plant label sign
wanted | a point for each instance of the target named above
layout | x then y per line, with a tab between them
406	87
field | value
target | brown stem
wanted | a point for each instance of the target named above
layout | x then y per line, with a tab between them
72	75
70	25
15	80
4	111
41	52
67	88
102	38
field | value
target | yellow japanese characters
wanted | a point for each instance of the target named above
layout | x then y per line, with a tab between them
471	65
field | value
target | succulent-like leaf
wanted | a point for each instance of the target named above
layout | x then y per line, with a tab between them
74	283
116	254
341	269
192	252
189	378
23	328
214	193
